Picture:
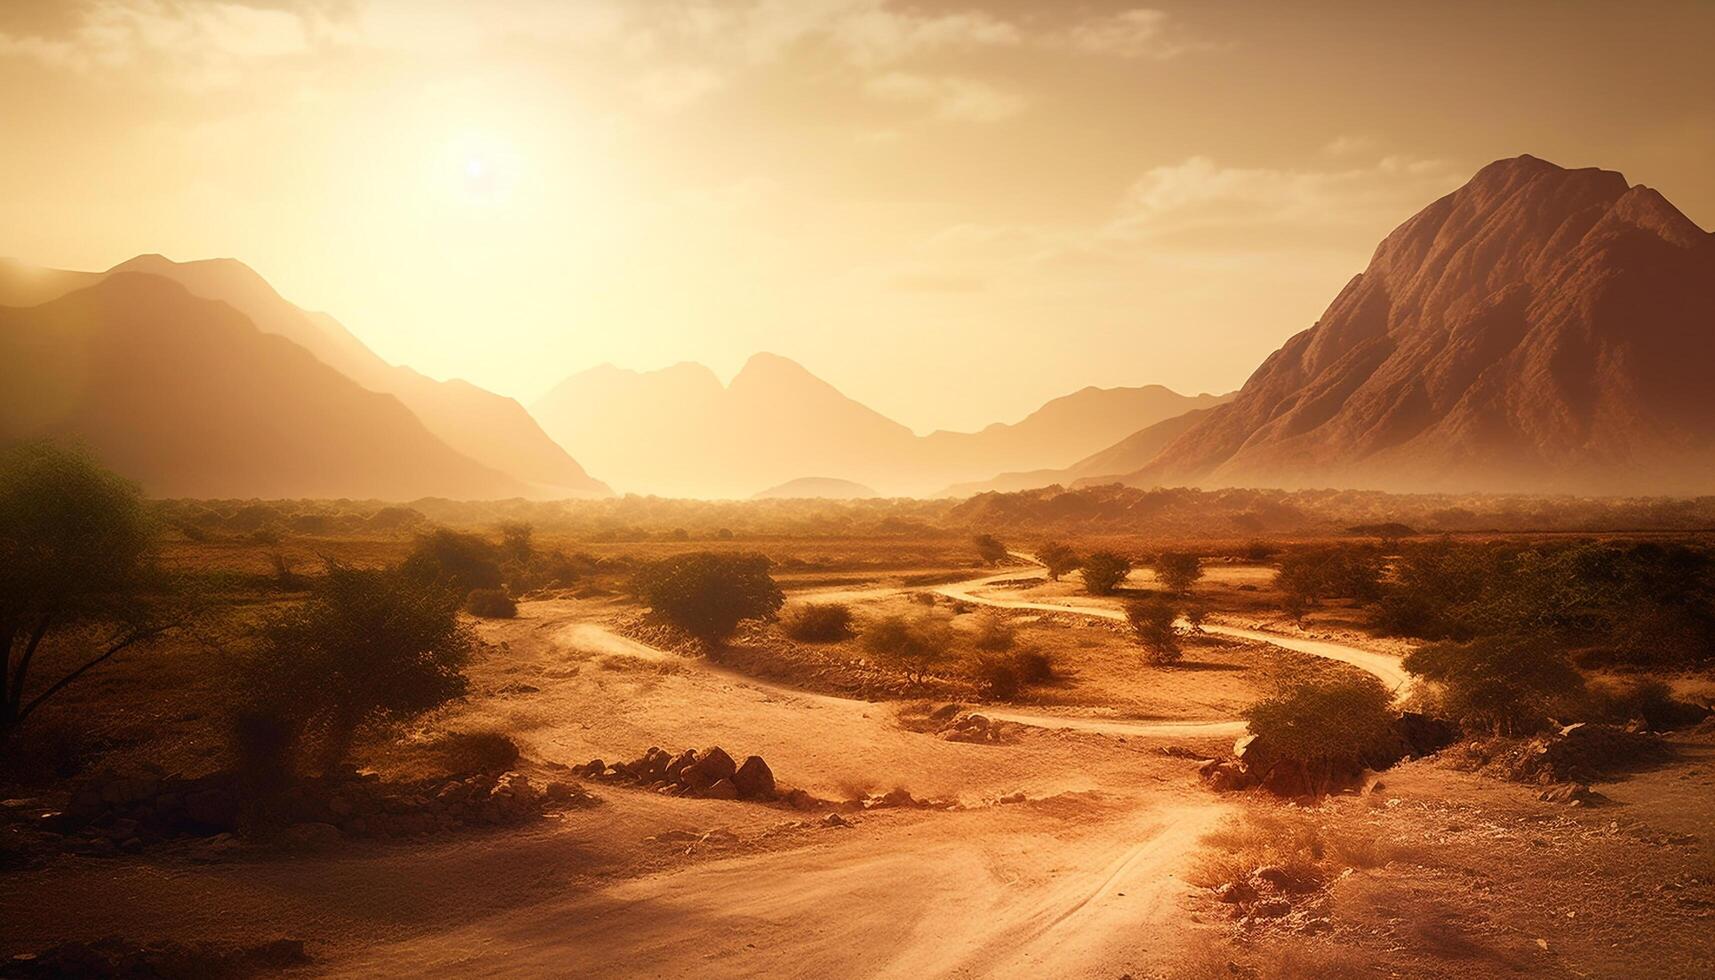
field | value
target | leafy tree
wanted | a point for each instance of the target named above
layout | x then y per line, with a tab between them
1310	575
1103	571
1177	570
1153	623
1313	736
914	645
1058	557
455	559
708	593
75	543
989	548
1498	685
369	645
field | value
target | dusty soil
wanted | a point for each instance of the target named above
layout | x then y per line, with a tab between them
1072	849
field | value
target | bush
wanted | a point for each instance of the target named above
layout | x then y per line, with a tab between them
516	544
817	622
75	546
1034	666
483	750
998	676
368	646
490	604
1153	623
707	594
914	645
1497	685
994	633
1308	576
1177	570
1642	699
1315	736
1103	571
989	548
461	562
1058	558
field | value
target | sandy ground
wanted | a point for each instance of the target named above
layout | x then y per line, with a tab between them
1064	853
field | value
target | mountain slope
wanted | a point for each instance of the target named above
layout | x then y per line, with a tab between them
816	488
1537	330
680	432
491	429
187	397
1107	466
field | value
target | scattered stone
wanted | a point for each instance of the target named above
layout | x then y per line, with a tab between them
755	781
1271	908
835	820
722	789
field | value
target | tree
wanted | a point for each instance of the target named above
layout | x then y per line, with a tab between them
515	542
75	544
708	593
1103	571
989	548
914	645
369	645
460	561
1058	557
1308	576
1312	736
1498	685
1153	622
1177	570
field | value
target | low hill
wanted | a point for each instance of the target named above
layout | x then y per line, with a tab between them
816	488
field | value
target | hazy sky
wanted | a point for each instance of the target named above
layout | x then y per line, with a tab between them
952	211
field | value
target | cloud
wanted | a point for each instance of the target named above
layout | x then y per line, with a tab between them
675	87
949	97
1137	33
196	44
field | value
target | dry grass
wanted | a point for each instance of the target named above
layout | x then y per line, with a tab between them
1311	855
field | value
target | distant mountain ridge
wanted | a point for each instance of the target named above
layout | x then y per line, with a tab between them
490	429
680	432
186	396
1537	330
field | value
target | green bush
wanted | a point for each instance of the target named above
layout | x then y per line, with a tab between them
989	548
1104	571
1177	570
1058	558
914	645
1153	621
459	561
707	594
994	633
998	676
490	604
1316	736
817	622
1499	685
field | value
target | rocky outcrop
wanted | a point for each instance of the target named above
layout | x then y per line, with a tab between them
709	774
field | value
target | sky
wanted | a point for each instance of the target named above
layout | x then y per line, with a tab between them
951	211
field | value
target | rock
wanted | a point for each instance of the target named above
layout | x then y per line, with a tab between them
1574	794
1235	892
835	820
712	766
755	781
559	791
1316	925
722	789
800	800
1271	908
898	796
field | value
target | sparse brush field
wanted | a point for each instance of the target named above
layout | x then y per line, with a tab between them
974	767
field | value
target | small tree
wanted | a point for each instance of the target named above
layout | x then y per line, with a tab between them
1103	571
1499	685
1058	558
368	646
75	542
1153	622
516	543
708	593
913	645
1311	737
1177	570
457	560
989	548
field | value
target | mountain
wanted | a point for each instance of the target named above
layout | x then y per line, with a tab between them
680	432
1538	330
816	488
1108	466
186	396
493	430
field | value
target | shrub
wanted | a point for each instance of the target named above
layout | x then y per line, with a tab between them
1177	570
989	548
1308	576
461	562
1642	699
1103	571
998	676
994	633
1152	622
1498	685
914	645
1034	666
1058	558
817	622
75	542
707	594
483	750
1313	736
516	544
490	604
368	646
